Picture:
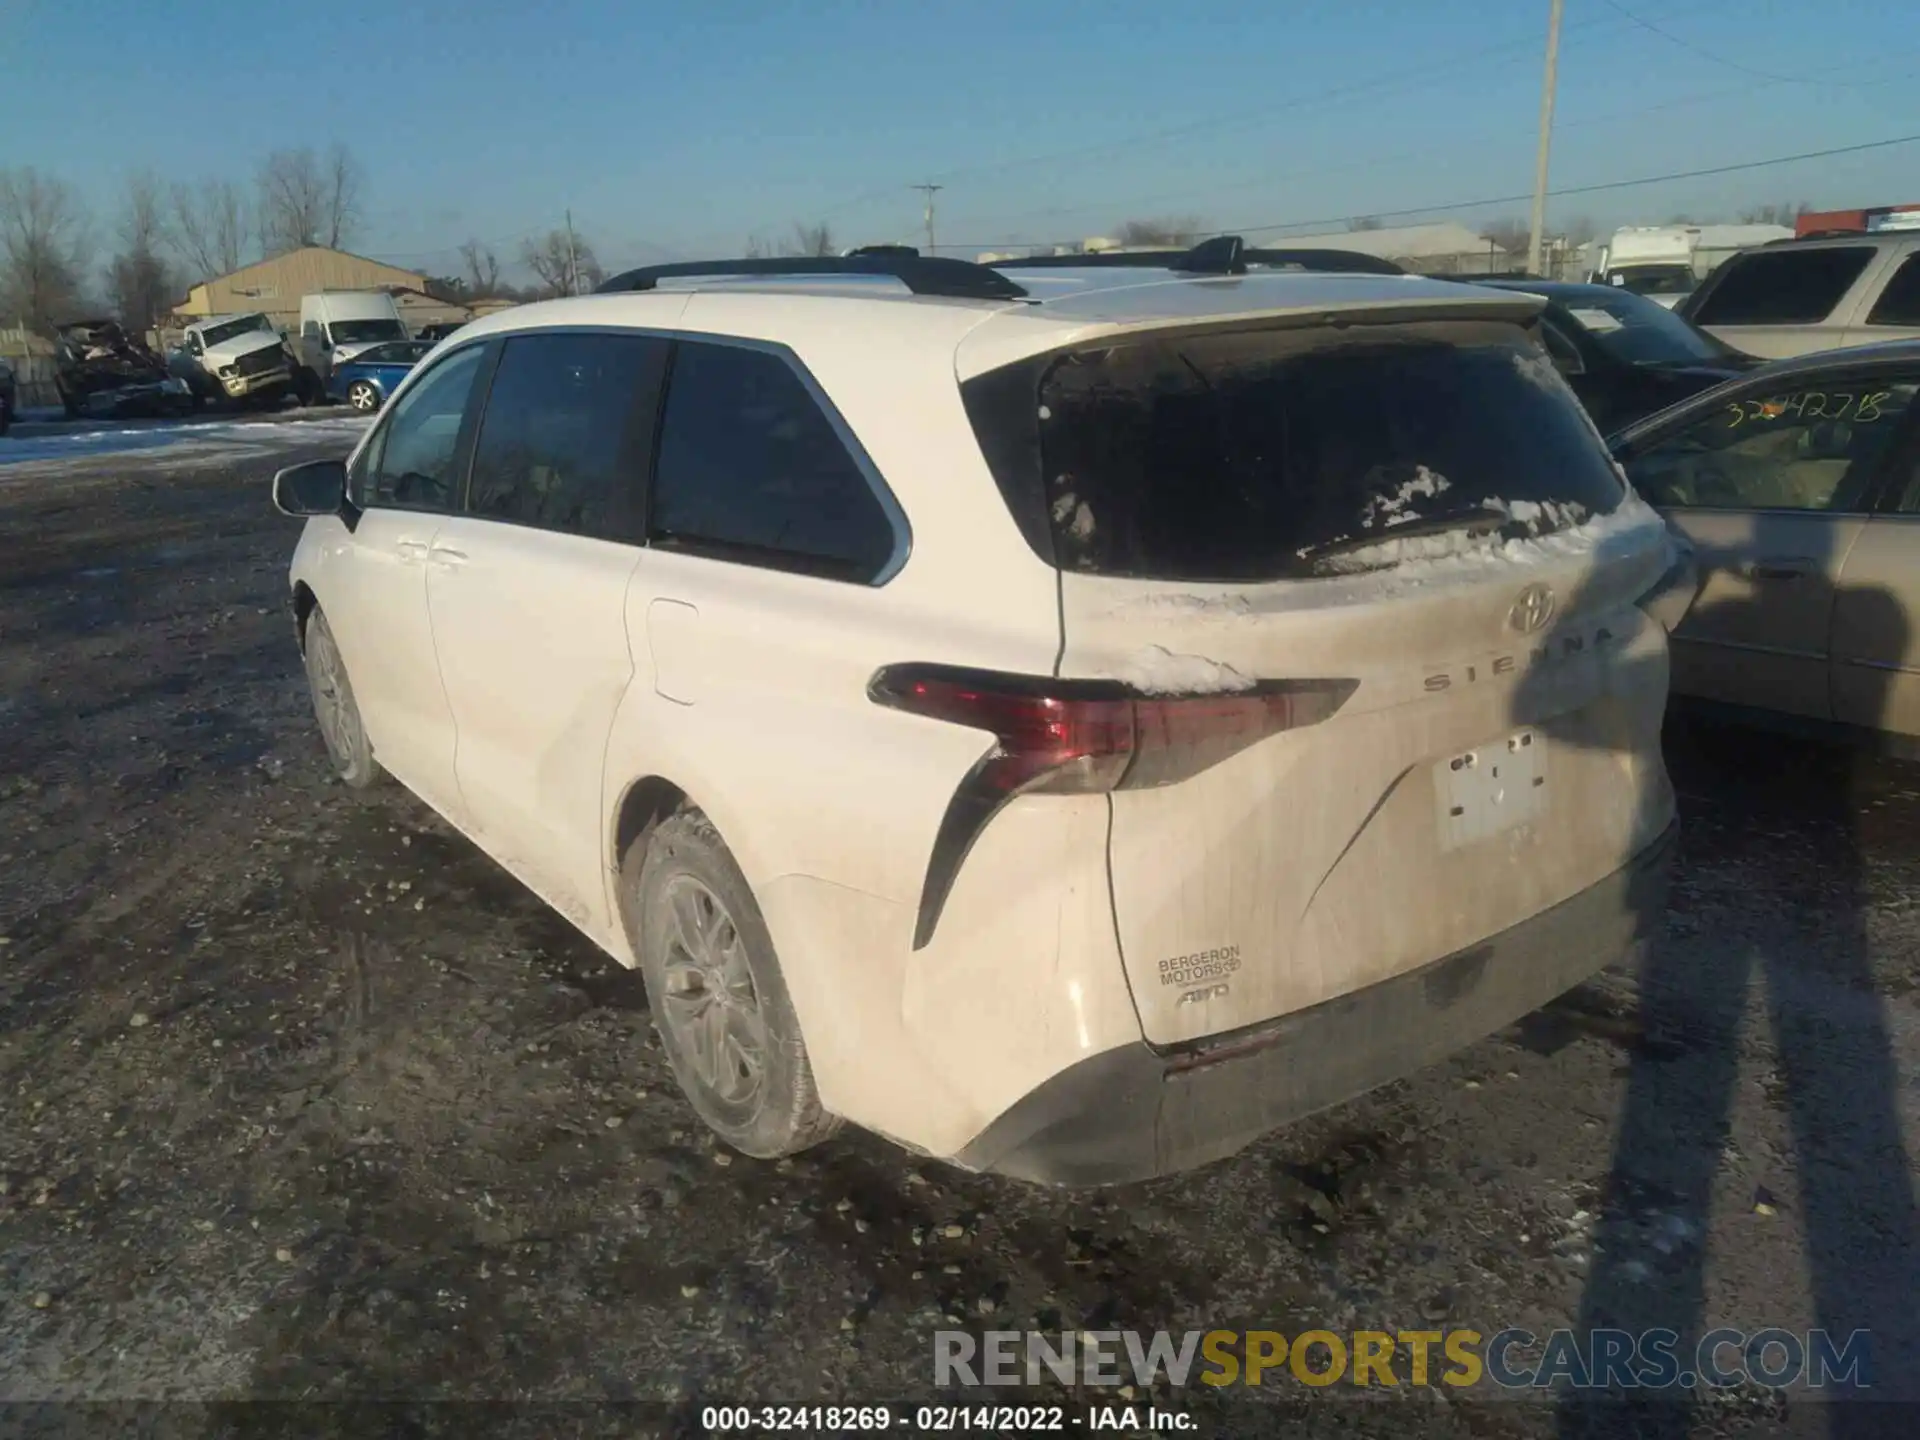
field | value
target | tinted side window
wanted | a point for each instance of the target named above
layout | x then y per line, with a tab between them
1899	303
1782	287
564	440
410	463
1812	449
750	468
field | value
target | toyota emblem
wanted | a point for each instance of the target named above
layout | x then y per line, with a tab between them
1532	610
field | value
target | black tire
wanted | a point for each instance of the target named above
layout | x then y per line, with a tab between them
364	396
336	710
777	1112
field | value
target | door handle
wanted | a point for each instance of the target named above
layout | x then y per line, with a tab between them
448	556
1779	568
410	551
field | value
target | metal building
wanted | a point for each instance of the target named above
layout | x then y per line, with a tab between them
274	287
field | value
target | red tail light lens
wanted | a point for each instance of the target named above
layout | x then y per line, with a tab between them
1091	736
1081	737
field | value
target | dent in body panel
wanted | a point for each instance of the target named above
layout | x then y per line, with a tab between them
1023	977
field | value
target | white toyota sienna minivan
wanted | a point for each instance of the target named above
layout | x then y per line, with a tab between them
1070	720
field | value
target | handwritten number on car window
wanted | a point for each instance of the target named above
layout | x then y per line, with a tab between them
1810	405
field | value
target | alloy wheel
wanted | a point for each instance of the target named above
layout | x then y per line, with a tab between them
711	1009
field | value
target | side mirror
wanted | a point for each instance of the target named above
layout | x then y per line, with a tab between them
318	487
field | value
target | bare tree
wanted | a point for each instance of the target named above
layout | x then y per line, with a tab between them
43	249
140	282
1781	214
308	199
1580	229
210	227
483	270
812	240
1169	230
564	262
759	248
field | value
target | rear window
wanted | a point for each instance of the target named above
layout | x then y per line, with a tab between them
1782	287
1282	454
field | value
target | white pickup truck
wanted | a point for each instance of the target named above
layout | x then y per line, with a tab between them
240	358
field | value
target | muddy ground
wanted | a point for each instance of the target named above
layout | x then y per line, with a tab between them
305	1099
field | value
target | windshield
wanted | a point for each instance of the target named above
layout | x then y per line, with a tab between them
1655	279
1269	455
360	332
1634	329
245	325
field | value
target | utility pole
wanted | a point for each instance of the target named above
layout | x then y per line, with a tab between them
1546	141
573	257
929	191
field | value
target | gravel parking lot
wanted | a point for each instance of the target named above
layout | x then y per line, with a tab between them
307	1099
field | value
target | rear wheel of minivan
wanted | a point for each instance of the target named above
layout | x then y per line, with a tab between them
716	991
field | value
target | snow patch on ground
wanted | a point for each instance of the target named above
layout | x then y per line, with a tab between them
176	446
1158	671
1387	510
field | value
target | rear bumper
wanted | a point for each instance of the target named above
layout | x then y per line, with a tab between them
1136	1112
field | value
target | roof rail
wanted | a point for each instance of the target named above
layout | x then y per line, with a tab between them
922	274
1222	255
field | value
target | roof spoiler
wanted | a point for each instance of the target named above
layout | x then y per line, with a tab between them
921	274
1222	255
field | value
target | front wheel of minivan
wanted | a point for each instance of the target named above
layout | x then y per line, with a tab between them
335	708
716	991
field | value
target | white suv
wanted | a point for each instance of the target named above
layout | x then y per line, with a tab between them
1071	727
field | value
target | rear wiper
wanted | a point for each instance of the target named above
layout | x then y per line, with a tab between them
1479	518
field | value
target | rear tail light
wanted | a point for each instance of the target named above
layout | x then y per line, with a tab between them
1081	737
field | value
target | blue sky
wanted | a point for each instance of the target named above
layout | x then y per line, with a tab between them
680	130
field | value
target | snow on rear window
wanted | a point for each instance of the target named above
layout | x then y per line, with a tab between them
1537	368
1395	507
1263	455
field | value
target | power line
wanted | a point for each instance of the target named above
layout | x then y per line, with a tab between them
1721	60
453	248
1258	179
1387	84
1485	201
1593	189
